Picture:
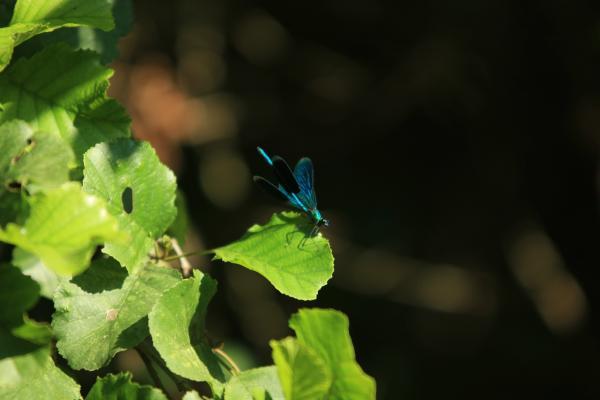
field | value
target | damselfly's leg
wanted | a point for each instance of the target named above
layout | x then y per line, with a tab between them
313	232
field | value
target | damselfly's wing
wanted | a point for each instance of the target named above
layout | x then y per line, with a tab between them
304	174
278	192
270	188
284	175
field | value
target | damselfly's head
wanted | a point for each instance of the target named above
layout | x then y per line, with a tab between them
323	222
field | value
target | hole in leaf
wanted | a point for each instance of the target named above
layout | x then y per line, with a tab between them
127	200
14	186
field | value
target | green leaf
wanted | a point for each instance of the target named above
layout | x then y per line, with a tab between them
177	328
326	332
247	384
17	294
63	229
120	387
280	251
32	17
113	169
34	376
63	92
302	372
92	327
31	266
86	37
35	160
179	227
33	331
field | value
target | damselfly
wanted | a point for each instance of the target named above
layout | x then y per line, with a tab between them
297	188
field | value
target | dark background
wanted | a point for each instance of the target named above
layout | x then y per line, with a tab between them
455	146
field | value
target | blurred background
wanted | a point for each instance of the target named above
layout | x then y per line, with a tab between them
456	154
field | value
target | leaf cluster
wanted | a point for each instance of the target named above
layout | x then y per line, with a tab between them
85	211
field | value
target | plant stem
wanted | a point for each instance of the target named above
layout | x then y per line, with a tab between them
186	267
151	370
192	253
234	368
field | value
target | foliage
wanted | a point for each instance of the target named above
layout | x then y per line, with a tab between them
83	210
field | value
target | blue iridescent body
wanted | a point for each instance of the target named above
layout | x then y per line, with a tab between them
295	187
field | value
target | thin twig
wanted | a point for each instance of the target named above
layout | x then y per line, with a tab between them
234	368
191	253
186	267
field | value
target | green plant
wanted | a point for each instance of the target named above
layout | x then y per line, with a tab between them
73	180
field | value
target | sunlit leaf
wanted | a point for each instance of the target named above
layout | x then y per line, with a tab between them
63	229
326	332
130	169
36	160
87	37
32	17
280	251
63	92
302	372
177	328
92	327
120	387
248	384
178	228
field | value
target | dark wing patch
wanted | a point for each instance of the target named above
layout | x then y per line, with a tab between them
284	175
270	188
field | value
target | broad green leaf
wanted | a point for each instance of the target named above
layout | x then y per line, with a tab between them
32	17
92	327
63	92
120	387
179	227
247	384
33	267
34	376
302	372
86	37
177	327
29	159
326	332
63	229
35	160
128	169
280	251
